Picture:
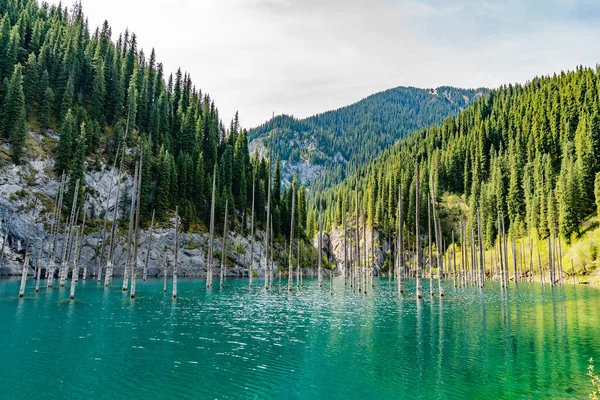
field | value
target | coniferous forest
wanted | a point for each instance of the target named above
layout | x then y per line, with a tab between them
420	243
527	153
101	96
355	134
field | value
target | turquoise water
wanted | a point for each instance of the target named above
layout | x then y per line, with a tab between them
250	344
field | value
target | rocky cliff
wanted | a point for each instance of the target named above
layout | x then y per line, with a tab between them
27	195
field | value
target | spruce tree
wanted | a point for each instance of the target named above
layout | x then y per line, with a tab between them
14	126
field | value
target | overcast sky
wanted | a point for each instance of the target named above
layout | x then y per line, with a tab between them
303	57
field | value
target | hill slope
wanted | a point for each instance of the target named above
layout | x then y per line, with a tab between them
529	154
325	143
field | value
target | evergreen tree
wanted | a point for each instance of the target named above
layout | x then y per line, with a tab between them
14	126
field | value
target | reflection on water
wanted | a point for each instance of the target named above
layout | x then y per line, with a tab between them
530	342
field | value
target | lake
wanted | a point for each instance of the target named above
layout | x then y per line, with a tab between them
236	343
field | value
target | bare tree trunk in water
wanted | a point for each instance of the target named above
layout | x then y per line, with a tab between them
417	250
136	235
251	269
224	249
268	274
166	273
453	260
145	274
75	272
481	258
291	266
24	276
400	246
320	241
429	246
211	239
176	252
128	267
39	269
439	245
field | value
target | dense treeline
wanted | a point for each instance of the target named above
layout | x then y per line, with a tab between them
102	95
360	132
529	154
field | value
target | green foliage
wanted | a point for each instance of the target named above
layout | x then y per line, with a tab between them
360	132
527	154
103	95
12	117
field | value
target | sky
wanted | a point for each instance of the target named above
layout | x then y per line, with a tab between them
303	57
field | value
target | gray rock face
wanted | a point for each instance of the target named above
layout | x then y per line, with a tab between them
23	217
333	246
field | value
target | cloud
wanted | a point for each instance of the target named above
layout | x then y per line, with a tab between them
304	57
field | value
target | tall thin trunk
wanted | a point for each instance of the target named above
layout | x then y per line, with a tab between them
530	260
357	236
103	243
75	272
24	276
149	250
67	240
39	269
481	257
550	263
417	250
268	274
400	246
251	269
453	260
166	273
291	261
439	245
345	251
224	249
560	264
136	236
211	239
540	263
429	246
514	251
128	264
114	228
320	241
298	267
176	252
57	217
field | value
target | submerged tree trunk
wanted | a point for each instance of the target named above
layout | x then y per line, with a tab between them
166	273
75	272
320	241
145	275
103	243
211	239
251	266
176	252
128	263
224	249
291	261
136	235
24	276
417	250
400	245
39	269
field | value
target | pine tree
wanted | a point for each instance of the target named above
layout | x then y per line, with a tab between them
14	126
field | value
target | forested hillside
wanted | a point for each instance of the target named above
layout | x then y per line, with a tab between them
102	96
359	132
527	153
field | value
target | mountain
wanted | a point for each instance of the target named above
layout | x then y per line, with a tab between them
102	95
321	146
524	156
